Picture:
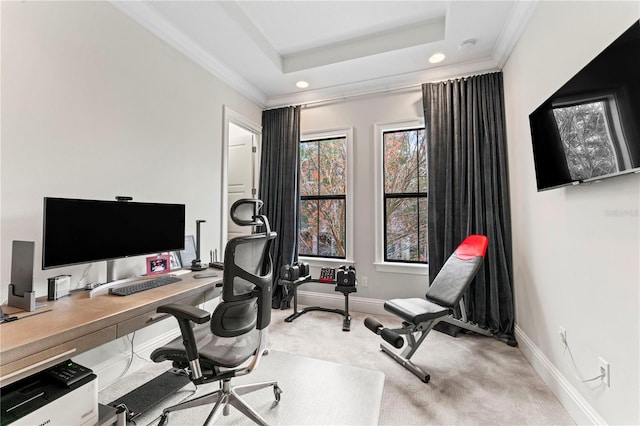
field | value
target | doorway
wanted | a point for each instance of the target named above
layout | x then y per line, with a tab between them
241	168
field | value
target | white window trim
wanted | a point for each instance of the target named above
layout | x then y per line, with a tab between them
380	264
346	132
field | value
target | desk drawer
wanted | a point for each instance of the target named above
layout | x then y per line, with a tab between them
32	364
152	317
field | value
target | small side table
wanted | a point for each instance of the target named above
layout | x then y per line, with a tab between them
345	290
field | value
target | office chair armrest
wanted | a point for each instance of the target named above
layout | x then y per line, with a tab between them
187	312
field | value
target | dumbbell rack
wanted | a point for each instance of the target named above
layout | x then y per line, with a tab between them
345	290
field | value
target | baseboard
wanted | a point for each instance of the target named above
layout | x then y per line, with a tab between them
578	408
110	371
336	301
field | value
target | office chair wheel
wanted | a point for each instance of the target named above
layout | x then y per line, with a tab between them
276	393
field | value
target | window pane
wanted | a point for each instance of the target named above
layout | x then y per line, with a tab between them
308	241
422	162
333	154
331	242
309	168
402	229
401	162
423	242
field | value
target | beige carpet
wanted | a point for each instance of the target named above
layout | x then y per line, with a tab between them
475	380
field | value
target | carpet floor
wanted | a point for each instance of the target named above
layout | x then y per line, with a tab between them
475	380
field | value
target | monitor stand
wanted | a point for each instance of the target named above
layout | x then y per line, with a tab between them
111	280
26	302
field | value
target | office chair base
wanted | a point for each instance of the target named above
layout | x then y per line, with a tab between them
406	363
224	397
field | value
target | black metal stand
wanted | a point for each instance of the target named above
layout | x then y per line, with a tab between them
345	290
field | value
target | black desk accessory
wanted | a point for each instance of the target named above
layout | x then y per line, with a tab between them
205	275
196	264
7	318
213	254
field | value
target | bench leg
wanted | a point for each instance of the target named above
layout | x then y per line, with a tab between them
404	358
406	363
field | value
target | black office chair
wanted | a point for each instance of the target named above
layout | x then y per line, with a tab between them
235	338
420	315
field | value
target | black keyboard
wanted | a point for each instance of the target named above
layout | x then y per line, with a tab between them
144	285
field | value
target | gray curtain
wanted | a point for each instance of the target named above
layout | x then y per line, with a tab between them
278	189
469	190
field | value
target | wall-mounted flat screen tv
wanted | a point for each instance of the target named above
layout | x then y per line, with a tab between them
590	128
82	231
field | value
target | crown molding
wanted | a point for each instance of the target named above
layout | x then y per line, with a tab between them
384	84
512	30
148	18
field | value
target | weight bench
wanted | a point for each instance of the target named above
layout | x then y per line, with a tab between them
421	315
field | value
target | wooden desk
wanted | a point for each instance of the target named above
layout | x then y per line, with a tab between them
78	323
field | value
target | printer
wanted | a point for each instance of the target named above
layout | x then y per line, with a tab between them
66	394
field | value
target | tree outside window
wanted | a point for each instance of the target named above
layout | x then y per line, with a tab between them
587	139
405	196
323	198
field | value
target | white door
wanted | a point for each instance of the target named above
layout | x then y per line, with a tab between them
242	172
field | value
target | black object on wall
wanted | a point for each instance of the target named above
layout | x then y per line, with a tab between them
590	128
278	189
469	189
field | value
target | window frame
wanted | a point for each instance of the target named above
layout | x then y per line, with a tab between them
380	263
347	133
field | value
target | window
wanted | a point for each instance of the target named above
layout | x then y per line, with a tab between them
401	197
405	196
324	200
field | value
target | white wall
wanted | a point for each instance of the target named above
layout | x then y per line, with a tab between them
95	106
576	250
362	113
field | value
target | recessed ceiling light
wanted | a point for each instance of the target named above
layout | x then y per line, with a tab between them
302	84
436	57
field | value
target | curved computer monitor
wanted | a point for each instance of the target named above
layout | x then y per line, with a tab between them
82	231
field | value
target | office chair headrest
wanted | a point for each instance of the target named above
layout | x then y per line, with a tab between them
244	212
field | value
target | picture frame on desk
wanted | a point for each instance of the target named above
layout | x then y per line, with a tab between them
175	260
160	264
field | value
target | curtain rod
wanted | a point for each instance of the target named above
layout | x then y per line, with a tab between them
342	98
336	99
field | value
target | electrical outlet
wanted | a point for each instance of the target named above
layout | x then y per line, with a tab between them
563	335
364	281
605	371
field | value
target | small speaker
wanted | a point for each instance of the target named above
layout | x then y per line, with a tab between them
58	287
